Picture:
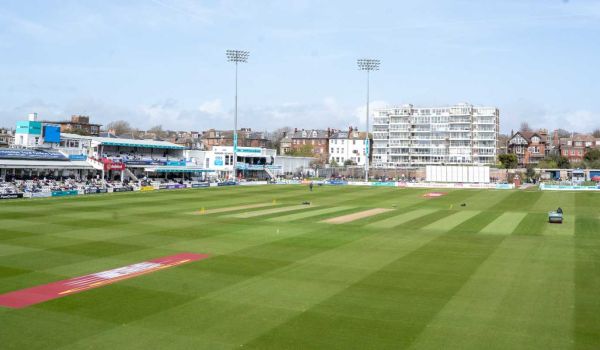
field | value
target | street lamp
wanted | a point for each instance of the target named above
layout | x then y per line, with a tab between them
368	65
236	56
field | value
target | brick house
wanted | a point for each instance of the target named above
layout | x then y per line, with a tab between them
575	147
246	138
7	137
529	147
318	139
79	124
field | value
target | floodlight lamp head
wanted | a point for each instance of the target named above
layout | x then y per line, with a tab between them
237	55
368	64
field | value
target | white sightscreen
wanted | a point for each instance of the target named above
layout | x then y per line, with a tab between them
467	174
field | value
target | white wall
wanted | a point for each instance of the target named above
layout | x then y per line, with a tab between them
344	149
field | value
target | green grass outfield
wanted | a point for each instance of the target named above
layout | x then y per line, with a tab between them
429	274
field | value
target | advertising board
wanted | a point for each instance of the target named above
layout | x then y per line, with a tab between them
545	187
94	190
29	154
227	183
77	157
122	189
37	194
11	195
64	193
201	185
52	133
384	184
171	186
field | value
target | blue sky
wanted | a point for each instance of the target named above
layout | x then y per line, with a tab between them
163	61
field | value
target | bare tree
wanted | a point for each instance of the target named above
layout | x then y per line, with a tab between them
596	133
277	135
525	127
119	127
158	131
564	133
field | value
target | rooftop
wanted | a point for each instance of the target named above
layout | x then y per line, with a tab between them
109	141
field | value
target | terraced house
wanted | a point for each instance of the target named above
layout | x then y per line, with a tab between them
576	146
317	139
348	147
410	136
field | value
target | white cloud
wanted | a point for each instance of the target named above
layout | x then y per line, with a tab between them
582	120
211	107
578	120
361	112
171	114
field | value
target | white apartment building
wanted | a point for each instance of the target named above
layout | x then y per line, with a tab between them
347	145
410	136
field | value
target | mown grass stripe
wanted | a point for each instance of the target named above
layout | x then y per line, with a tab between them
532	224
566	228
308	214
236	208
476	223
507	294
400	219
383	308
356	216
505	224
448	223
587	282
251	214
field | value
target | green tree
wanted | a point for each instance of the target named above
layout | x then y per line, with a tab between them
530	172
333	163
592	155
558	160
594	165
548	164
563	162
349	162
303	151
508	160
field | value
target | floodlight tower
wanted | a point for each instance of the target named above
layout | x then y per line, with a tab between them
368	65
236	56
